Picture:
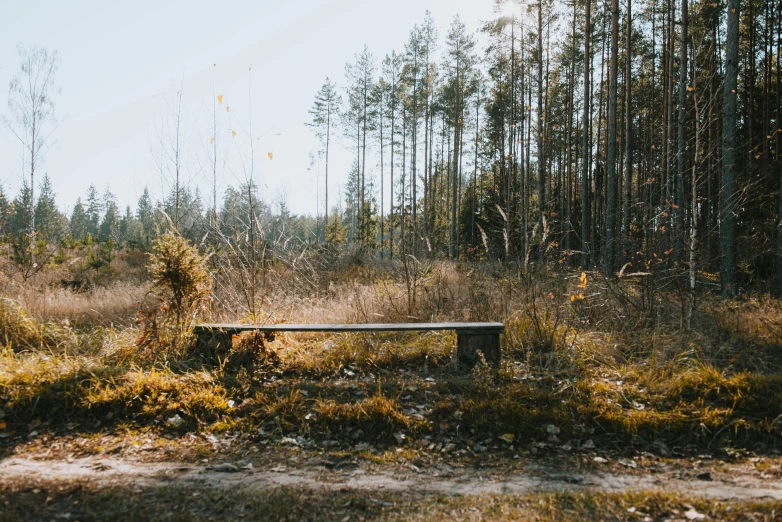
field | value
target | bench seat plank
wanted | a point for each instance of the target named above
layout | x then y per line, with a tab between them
383	327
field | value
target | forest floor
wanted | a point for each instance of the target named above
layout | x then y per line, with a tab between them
294	483
607	405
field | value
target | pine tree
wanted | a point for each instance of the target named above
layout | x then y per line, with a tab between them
94	211
79	224
20	218
360	77
145	214
460	85
19	226
391	73
109	225
325	112
48	220
586	125
611	207
729	156
4	212
128	227
336	232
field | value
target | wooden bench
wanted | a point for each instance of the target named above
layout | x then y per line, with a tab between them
471	338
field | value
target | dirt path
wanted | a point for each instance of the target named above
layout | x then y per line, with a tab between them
443	479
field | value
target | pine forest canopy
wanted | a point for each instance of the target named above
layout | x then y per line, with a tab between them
633	136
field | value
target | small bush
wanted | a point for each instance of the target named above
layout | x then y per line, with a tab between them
182	286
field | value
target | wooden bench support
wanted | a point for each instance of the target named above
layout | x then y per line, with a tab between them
471	345
212	342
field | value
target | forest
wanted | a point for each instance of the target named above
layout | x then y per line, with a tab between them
643	139
603	178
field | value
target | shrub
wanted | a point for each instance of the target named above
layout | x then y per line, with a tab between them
182	287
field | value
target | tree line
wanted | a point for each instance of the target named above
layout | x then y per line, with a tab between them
630	137
97	219
638	138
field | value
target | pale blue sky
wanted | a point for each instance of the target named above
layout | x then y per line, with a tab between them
121	60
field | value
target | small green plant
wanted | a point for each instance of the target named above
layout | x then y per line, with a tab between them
182	287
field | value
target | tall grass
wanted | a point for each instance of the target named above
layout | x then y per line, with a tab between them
608	355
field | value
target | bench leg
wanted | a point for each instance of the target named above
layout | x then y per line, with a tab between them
470	345
212	343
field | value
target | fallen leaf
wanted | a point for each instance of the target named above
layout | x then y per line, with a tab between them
508	437
692	514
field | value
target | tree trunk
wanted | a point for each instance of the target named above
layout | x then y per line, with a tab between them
541	161
608	254
778	155
729	146
628	126
393	145
328	137
586	166
682	134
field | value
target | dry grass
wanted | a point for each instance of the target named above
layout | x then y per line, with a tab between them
100	306
616	367
74	294
37	500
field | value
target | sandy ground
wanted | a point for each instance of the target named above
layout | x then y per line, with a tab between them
734	483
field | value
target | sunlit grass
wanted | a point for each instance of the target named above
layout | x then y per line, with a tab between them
718	383
25	501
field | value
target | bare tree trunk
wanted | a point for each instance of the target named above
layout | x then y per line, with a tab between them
694	210
682	133
628	125
608	254
453	253
568	196
541	118
391	210
729	146
586	166
328	137
382	180
778	155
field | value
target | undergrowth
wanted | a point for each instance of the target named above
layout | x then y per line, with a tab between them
584	360
91	501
